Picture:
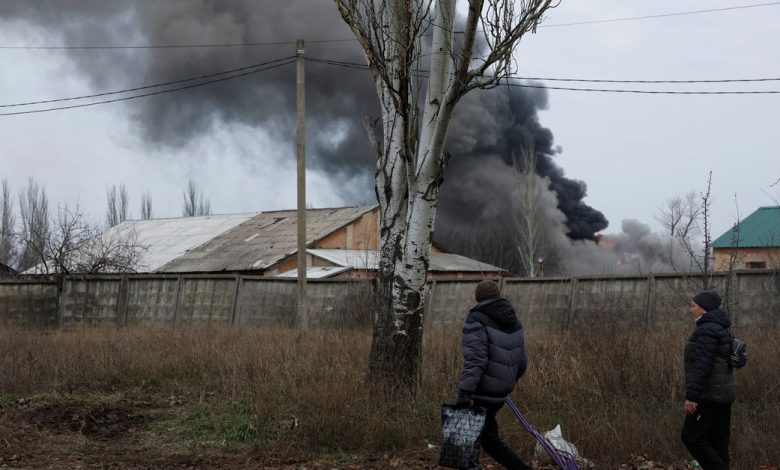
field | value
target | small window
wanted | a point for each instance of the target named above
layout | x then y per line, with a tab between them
756	264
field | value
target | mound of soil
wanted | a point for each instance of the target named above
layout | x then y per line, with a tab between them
102	421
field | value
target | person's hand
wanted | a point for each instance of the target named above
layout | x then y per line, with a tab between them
463	401
690	407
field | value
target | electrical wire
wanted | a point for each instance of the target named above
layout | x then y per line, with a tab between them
146	87
315	41
650	92
177	46
661	15
160	92
423	74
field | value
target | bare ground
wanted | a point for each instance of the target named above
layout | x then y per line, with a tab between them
145	432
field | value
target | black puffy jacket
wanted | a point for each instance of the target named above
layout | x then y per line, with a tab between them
493	352
708	376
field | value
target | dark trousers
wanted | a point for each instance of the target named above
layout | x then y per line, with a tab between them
706	435
493	444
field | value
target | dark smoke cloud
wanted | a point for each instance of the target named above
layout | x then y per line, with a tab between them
486	135
497	123
337	98
477	199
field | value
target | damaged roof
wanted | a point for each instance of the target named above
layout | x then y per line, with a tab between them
263	240
164	240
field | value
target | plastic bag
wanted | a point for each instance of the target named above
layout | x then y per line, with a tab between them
460	430
555	437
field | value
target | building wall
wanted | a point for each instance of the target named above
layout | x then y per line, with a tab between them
361	234
745	256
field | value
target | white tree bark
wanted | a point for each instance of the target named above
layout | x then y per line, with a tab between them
411	159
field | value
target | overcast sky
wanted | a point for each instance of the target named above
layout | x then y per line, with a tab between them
634	151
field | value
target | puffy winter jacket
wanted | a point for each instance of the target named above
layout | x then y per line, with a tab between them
708	376
493	352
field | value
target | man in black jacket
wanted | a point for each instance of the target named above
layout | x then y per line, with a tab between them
709	384
494	358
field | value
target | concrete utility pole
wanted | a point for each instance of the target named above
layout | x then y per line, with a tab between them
303	314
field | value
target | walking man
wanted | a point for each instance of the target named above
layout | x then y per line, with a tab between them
709	384
494	358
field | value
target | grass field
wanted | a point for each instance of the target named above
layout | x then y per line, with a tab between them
279	398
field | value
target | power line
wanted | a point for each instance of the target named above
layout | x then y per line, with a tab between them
176	46
423	74
160	92
314	41
649	92
146	87
725	80
661	15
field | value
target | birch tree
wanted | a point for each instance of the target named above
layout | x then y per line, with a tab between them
529	212
408	138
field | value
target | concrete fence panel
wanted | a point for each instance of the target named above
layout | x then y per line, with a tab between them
759	300
28	304
151	300
205	301
603	302
340	304
87	301
450	301
540	304
673	295
264	302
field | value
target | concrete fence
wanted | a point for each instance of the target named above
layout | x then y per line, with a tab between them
548	304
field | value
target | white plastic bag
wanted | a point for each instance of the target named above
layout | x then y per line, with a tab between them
555	436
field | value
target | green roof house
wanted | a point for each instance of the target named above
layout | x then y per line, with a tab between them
753	243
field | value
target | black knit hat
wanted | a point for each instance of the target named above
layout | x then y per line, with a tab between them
708	300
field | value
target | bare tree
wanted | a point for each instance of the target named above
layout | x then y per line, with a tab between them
195	203
117	205
7	226
146	206
410	153
680	219
34	230
529	211
707	242
75	245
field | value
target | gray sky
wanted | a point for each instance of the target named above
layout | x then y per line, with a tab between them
633	151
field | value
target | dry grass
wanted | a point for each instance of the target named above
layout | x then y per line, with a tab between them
615	393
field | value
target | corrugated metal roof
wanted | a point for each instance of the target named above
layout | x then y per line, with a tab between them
263	240
167	239
315	272
761	229
440	262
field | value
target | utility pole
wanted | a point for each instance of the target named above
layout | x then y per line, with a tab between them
300	82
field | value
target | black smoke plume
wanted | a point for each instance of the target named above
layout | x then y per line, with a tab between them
486	135
477	201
